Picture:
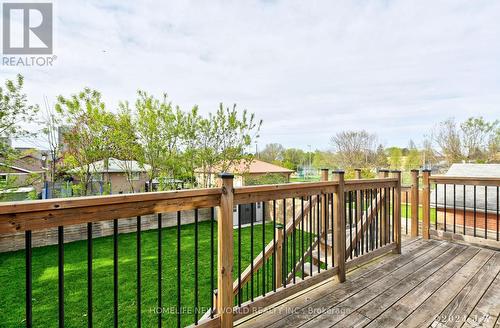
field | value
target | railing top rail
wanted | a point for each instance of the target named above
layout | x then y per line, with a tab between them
478	181
78	202
39	215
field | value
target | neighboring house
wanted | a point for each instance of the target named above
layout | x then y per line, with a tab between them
26	171
244	171
485	199
115	173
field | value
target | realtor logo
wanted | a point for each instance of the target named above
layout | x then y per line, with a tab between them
27	28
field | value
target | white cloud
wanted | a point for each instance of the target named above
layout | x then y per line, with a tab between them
309	69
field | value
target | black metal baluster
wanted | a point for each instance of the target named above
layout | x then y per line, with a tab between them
160	310
179	281
454	207
318	219
196	266
436	207
89	274
302	225
294	240
474	211
464	212
444	206
325	210
376	219
274	245
139	283
285	247
251	249
60	248
310	235
498	213
486	212
368	226
212	261
349	208
29	279
406	211
240	296
361	223
115	273
263	248
333	229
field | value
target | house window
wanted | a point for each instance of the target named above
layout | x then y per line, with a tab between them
135	176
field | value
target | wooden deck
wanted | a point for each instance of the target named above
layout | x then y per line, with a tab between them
433	283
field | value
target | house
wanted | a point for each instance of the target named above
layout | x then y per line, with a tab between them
246	173
461	201
122	176
25	171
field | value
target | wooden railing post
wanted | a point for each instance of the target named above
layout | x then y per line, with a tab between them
426	204
414	203
357	174
225	294
396	207
339	225
384	210
279	257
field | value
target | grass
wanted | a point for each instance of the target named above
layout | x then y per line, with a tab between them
45	272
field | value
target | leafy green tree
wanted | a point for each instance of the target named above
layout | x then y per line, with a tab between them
324	159
293	158
158	126
87	136
395	157
15	112
474	140
223	140
412	157
124	143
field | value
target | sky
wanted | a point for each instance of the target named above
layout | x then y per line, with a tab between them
308	69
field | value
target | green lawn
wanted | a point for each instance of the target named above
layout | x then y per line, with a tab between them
45	300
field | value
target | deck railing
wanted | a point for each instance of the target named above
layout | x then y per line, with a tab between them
310	232
452	207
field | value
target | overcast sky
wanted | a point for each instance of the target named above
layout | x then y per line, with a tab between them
307	68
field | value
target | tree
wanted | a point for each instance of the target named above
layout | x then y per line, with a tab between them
380	158
395	156
223	138
124	144
477	136
355	149
413	157
158	131
324	159
293	158
474	140
51	122
14	113
87	136
272	153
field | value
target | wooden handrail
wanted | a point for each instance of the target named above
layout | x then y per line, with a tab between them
38	215
472	181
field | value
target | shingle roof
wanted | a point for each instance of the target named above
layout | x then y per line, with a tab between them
115	165
455	195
